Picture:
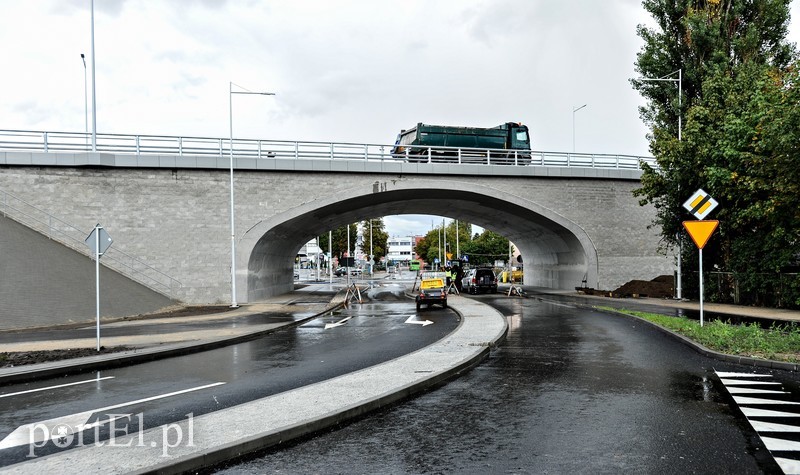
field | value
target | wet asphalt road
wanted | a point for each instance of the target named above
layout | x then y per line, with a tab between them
287	359
570	391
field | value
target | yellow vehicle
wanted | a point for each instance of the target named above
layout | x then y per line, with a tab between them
432	289
517	275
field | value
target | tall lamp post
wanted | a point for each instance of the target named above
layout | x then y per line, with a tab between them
231	92
85	101
371	255
573	125
679	82
94	91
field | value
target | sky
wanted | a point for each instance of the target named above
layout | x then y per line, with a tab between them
342	71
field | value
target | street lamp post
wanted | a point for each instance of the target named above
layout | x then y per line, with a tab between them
231	92
94	91
573	125
371	255
85	101
679	82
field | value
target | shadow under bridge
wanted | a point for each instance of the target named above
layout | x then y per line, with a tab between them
557	252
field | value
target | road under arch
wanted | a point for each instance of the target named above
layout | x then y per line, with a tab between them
558	253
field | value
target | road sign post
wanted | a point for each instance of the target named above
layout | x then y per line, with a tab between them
98	241
700	204
700	232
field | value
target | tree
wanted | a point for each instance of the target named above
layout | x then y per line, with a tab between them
379	238
430	246
486	248
738	80
339	236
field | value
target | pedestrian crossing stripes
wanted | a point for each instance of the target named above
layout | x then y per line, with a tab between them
771	411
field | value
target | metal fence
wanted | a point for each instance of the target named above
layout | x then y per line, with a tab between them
780	289
75	142
72	237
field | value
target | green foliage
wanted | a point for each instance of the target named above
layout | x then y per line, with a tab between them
740	134
779	342
339	236
486	248
482	248
380	238
429	247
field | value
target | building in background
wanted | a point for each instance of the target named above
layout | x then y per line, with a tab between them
400	250
310	255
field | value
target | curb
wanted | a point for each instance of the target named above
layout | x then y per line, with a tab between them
34	372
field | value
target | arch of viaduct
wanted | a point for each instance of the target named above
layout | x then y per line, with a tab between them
569	224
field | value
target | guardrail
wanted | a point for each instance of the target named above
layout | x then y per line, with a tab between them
43	141
54	228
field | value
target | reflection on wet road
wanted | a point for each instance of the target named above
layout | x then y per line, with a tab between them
570	390
376	332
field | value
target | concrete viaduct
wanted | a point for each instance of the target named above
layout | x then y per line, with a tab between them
569	222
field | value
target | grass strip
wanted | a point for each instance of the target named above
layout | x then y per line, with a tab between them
779	342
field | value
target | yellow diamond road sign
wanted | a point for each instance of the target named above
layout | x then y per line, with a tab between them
700	204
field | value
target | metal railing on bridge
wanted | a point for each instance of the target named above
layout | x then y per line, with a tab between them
74	238
76	142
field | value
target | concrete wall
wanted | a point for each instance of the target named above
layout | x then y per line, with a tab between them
567	225
43	283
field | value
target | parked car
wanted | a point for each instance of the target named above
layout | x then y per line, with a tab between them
479	280
391	270
355	271
340	271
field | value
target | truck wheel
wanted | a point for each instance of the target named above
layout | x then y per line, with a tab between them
418	306
444	304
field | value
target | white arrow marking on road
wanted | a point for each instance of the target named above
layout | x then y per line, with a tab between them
28	433
337	324
413	319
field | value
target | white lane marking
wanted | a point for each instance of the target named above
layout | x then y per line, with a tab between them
758	400
27	434
773	444
752	412
788	465
723	374
761	426
55	387
735	390
744	382
784	445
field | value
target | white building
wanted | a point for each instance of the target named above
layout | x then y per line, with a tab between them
310	252
400	249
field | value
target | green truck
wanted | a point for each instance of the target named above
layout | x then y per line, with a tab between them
508	143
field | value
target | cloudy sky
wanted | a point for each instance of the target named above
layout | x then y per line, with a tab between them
344	71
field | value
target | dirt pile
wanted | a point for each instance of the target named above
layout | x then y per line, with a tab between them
661	287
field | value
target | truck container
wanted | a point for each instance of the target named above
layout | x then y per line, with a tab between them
508	143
